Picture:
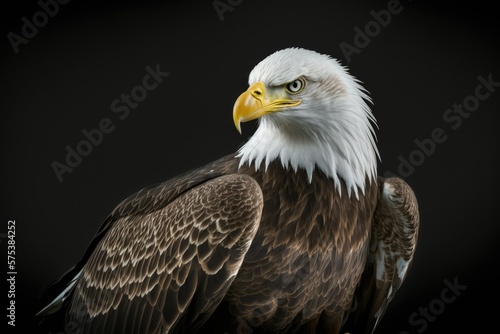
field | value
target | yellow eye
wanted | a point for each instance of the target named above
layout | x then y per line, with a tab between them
295	86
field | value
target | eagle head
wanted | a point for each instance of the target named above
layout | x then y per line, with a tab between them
312	115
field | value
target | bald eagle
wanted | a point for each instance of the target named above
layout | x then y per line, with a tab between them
294	233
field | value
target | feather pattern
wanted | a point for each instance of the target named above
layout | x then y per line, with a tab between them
158	263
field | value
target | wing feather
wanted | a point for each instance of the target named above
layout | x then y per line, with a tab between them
392	247
55	297
156	263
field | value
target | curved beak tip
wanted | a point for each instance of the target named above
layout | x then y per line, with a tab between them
237	124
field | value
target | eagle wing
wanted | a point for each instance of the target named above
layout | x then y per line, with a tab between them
166	270
392	246
144	201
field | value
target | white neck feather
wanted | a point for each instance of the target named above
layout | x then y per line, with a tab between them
330	130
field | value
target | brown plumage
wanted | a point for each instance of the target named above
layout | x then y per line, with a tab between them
234	247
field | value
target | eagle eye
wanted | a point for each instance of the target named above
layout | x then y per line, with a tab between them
295	86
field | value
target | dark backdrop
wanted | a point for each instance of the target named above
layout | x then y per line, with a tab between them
63	79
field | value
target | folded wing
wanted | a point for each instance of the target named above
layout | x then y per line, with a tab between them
167	270
392	246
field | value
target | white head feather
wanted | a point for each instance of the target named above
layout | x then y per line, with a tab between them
330	130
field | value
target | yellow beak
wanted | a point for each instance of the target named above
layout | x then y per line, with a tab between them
255	103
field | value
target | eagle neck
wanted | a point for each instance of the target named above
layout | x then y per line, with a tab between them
340	161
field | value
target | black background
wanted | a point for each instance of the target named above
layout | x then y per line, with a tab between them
65	78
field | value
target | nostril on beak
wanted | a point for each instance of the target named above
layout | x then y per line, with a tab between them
257	92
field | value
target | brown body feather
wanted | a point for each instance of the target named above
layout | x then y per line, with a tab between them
307	255
227	249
